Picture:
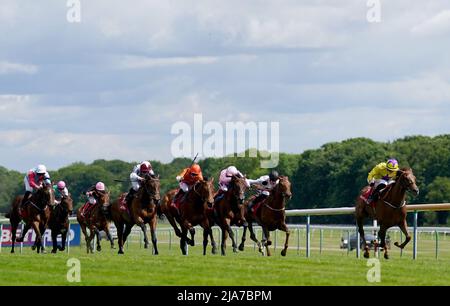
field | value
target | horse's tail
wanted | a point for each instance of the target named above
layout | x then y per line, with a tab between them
8	215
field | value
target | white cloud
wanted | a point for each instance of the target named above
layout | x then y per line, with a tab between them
437	25
10	67
138	62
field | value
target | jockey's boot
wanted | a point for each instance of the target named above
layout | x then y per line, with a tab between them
177	197
375	194
129	197
25	199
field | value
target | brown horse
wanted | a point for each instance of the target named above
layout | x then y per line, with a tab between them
143	210
270	216
193	211
390	209
59	222
229	210
99	219
37	213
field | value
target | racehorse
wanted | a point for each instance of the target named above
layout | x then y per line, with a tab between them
35	214
59	222
229	210
98	219
143	210
193	211
270	215
389	210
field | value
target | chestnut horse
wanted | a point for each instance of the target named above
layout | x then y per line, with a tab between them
99	219
193	211
37	213
390	209
229	210
59	222
270	216
143	210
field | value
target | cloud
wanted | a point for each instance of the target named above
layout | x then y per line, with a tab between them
436	25
138	62
9	68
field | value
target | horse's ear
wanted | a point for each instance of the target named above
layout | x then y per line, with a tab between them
212	179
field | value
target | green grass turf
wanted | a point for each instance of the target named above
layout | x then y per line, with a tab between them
248	268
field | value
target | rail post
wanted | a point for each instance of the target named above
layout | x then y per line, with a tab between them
1	237
358	243
415	235
321	241
308	236
437	243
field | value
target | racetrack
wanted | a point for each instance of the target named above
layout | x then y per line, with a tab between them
248	268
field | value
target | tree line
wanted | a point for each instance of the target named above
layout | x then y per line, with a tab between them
330	176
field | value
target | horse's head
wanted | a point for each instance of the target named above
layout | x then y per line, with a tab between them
103	201
407	180
152	186
284	187
205	190
45	195
67	204
239	186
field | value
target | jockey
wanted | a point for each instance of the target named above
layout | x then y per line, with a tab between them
93	193
225	178
382	175
136	177
34	181
187	178
60	191
264	185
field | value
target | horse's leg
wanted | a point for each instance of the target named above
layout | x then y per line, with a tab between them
91	238
284	228
141	224
63	239
253	237
183	242
206	231
153	234
35	225
14	225
188	226
223	245
86	237
172	222
120	226
108	235
127	232
382	236
359	221
24	232
404	228
231	233
42	230
213	242
54	241
242	245
99	238
267	240
192	240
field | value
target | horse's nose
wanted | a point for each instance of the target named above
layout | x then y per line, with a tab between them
416	191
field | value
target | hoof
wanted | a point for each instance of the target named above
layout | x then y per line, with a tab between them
398	245
386	256
235	250
214	251
241	247
191	242
99	249
146	246
113	247
12	252
366	255
54	251
120	252
283	253
33	247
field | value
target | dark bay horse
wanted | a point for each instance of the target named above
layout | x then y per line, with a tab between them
59	222
143	210
390	209
270	216
36	214
193	211
99	219
229	210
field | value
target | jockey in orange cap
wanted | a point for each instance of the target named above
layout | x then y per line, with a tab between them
187	178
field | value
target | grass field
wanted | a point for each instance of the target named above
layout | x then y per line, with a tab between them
138	267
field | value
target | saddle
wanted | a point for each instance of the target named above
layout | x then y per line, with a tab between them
87	209
123	204
256	206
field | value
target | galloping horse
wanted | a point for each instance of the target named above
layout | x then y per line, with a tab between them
230	210
36	214
193	211
99	219
143	210
59	222
390	209
271	216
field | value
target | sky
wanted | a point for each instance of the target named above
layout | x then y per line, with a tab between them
113	85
